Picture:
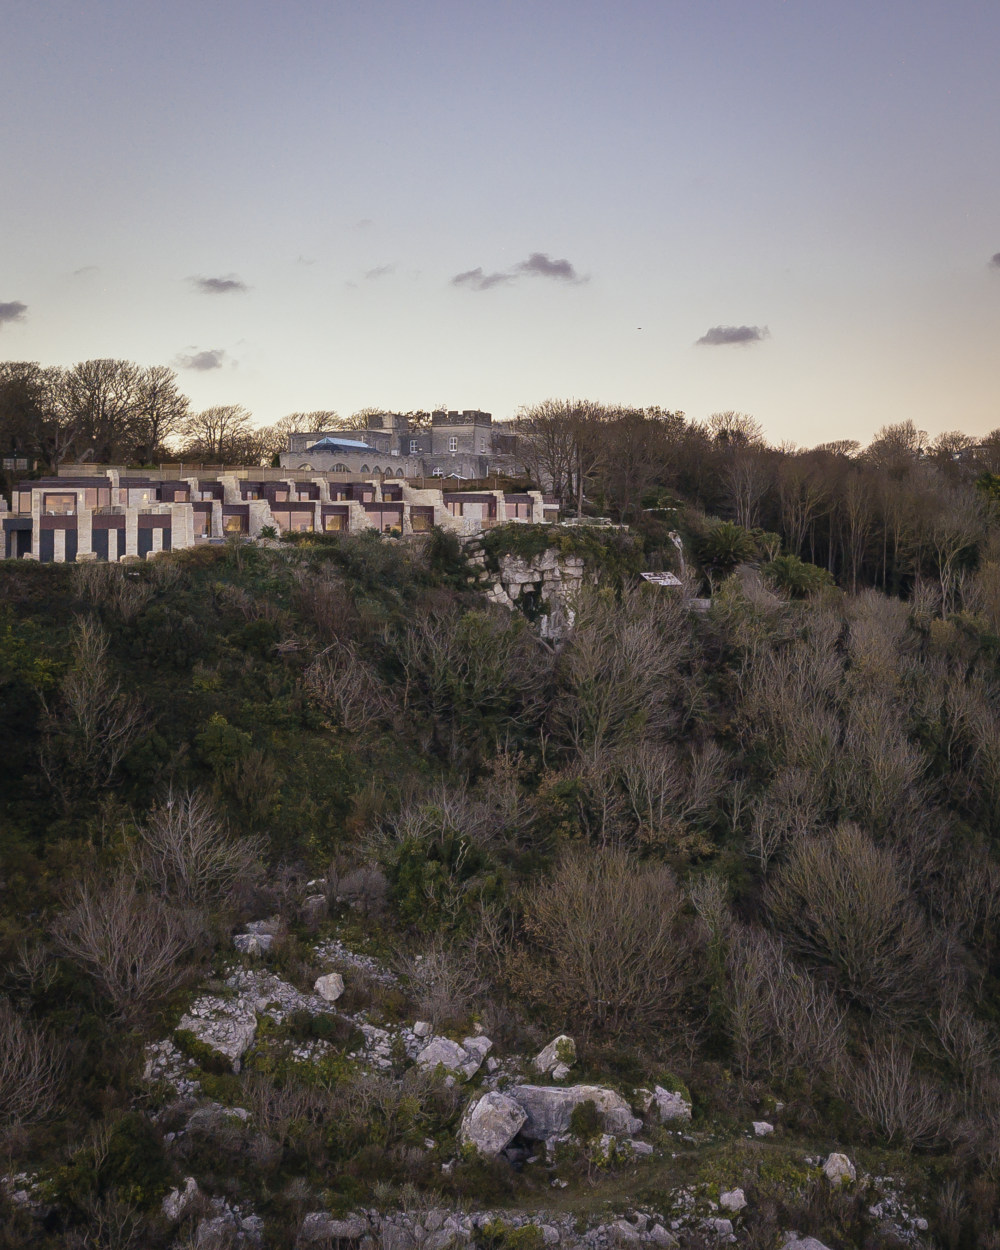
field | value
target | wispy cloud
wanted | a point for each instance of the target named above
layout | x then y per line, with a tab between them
542	265
995	260
723	336
380	271
538	265
84	270
14	310
202	361
478	280
220	286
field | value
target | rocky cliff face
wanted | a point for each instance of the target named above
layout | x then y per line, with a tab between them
543	587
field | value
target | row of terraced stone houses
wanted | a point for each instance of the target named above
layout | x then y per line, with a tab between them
103	513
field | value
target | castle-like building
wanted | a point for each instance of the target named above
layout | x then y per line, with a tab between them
97	512
457	444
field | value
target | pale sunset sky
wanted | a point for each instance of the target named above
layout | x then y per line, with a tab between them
786	207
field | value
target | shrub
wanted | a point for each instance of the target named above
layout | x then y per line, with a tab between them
797	577
30	1069
444	982
620	670
496	1234
844	904
906	1106
609	946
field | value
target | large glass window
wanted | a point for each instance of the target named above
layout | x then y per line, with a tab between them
333	524
60	505
234	524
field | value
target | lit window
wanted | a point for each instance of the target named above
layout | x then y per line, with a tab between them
60	505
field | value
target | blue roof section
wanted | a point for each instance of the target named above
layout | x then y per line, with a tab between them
335	444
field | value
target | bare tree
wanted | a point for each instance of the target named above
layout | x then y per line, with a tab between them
561	444
620	670
222	435
275	437
664	789
133	945
33	417
348	688
637	444
956	523
93	724
103	399
734	429
802	495
747	476
790	808
856	510
185	851
162	411
896	448
30	1069
779	1017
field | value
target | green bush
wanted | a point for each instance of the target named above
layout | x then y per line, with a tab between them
499	1235
797	577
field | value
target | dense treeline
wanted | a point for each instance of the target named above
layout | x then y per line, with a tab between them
116	412
902	508
757	847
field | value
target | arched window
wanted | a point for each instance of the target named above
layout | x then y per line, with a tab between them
341	468
365	469
307	467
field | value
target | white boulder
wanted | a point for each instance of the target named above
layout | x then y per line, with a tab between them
491	1123
227	1026
733	1200
549	1109
839	1170
329	987
665	1104
177	1202
422	1028
560	1053
320	1228
761	1128
463	1060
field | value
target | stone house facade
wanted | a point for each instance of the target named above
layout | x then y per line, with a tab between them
104	513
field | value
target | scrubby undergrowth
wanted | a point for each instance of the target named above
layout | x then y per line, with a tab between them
751	852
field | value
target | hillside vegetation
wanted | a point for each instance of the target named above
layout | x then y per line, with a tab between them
748	853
